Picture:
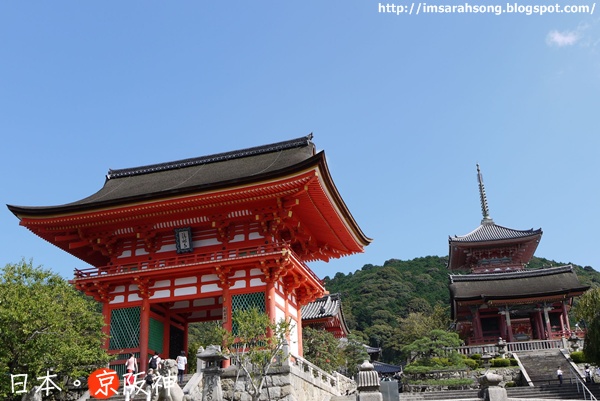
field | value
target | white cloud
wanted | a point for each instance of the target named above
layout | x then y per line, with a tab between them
560	39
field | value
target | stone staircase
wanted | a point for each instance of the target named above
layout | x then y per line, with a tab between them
541	366
551	392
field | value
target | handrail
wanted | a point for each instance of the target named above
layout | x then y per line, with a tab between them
580	382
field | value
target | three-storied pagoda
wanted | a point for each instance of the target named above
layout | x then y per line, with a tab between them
194	240
500	297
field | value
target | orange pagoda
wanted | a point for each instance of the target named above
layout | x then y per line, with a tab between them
500	297
194	240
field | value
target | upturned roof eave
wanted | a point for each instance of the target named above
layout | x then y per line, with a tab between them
459	241
76	207
317	161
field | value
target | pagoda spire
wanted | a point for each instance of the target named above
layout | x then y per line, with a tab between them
484	205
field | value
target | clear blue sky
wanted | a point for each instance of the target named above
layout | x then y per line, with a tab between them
403	105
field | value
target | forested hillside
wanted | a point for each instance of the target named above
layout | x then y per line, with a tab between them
378	299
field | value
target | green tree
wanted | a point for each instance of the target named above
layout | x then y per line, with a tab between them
45	324
354	353
588	310
322	348
255	345
203	334
432	345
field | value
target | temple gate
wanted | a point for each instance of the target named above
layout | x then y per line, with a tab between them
196	239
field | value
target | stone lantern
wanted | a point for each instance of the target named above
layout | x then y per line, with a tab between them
574	340
501	347
486	357
212	357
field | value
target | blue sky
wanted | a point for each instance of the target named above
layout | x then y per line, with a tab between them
403	105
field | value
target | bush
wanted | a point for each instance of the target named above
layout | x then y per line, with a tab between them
416	369
510	384
578	357
472	364
500	363
476	357
513	362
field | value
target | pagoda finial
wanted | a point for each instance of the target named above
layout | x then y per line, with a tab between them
484	205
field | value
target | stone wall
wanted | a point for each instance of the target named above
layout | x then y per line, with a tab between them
283	383
509	374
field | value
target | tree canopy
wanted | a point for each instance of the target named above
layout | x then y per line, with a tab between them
588	310
45	325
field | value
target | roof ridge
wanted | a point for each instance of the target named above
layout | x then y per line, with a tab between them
217	157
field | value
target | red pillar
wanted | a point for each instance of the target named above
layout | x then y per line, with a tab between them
106	311
166	334
539	322
503	326
565	318
270	300
477	326
299	325
185	339
227	313
547	327
144	333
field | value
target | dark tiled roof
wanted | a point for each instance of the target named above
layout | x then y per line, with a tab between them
522	284
189	175
491	232
219	157
386	368
372	350
324	307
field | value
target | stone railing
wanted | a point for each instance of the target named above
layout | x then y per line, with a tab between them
338	383
521	346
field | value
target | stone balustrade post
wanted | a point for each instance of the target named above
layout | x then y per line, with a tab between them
367	381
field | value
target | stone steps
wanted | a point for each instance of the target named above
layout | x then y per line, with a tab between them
551	392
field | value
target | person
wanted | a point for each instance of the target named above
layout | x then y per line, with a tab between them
131	364
559	374
154	362
181	362
588	374
149	381
129	385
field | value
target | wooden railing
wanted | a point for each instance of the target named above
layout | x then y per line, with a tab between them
191	259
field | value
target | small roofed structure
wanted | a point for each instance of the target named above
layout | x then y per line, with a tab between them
500	297
326	313
386	369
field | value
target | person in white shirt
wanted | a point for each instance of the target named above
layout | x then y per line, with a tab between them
559	375
181	362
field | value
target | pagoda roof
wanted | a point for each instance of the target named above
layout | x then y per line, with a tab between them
491	232
324	309
223	183
547	282
490	235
